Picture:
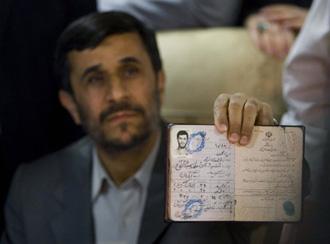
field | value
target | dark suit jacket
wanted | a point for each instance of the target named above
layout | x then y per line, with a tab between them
50	202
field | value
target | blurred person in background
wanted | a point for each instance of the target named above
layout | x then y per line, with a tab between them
273	25
306	89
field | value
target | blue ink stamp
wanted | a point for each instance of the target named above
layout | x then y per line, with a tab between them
288	208
193	208
196	142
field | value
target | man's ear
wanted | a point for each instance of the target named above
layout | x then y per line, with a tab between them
69	104
161	84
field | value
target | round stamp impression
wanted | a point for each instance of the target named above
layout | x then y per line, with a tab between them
196	142
288	208
193	208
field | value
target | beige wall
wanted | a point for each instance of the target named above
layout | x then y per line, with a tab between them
200	64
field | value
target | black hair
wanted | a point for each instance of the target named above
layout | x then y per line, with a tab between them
181	133
90	30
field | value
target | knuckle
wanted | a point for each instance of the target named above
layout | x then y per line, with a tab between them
235	105
223	96
251	107
239	95
253	100
221	100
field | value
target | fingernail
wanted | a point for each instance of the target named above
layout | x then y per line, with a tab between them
222	128
234	137
244	140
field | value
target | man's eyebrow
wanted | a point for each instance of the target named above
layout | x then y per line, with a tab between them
90	69
128	60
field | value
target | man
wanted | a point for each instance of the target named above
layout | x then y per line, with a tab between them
109	187
28	33
178	14
182	138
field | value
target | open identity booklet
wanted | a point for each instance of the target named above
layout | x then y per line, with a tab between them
209	179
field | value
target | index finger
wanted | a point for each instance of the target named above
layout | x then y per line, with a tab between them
235	109
221	112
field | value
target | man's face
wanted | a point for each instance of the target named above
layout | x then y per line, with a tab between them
117	94
182	141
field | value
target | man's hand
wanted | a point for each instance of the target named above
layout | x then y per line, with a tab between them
237	114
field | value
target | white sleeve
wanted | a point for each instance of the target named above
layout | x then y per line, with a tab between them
306	84
306	79
174	14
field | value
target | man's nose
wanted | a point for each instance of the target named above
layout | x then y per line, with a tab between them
116	89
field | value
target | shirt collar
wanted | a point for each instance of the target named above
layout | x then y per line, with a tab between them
101	180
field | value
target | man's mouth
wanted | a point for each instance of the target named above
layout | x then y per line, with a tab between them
121	116
121	111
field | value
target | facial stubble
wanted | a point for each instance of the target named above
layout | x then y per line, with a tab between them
150	123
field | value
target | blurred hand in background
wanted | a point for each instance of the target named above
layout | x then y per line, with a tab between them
273	28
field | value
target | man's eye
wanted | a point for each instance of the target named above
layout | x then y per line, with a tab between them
130	72
95	79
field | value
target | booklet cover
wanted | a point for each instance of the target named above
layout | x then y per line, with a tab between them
209	179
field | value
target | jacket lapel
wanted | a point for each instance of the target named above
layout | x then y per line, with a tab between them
153	224
73	223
